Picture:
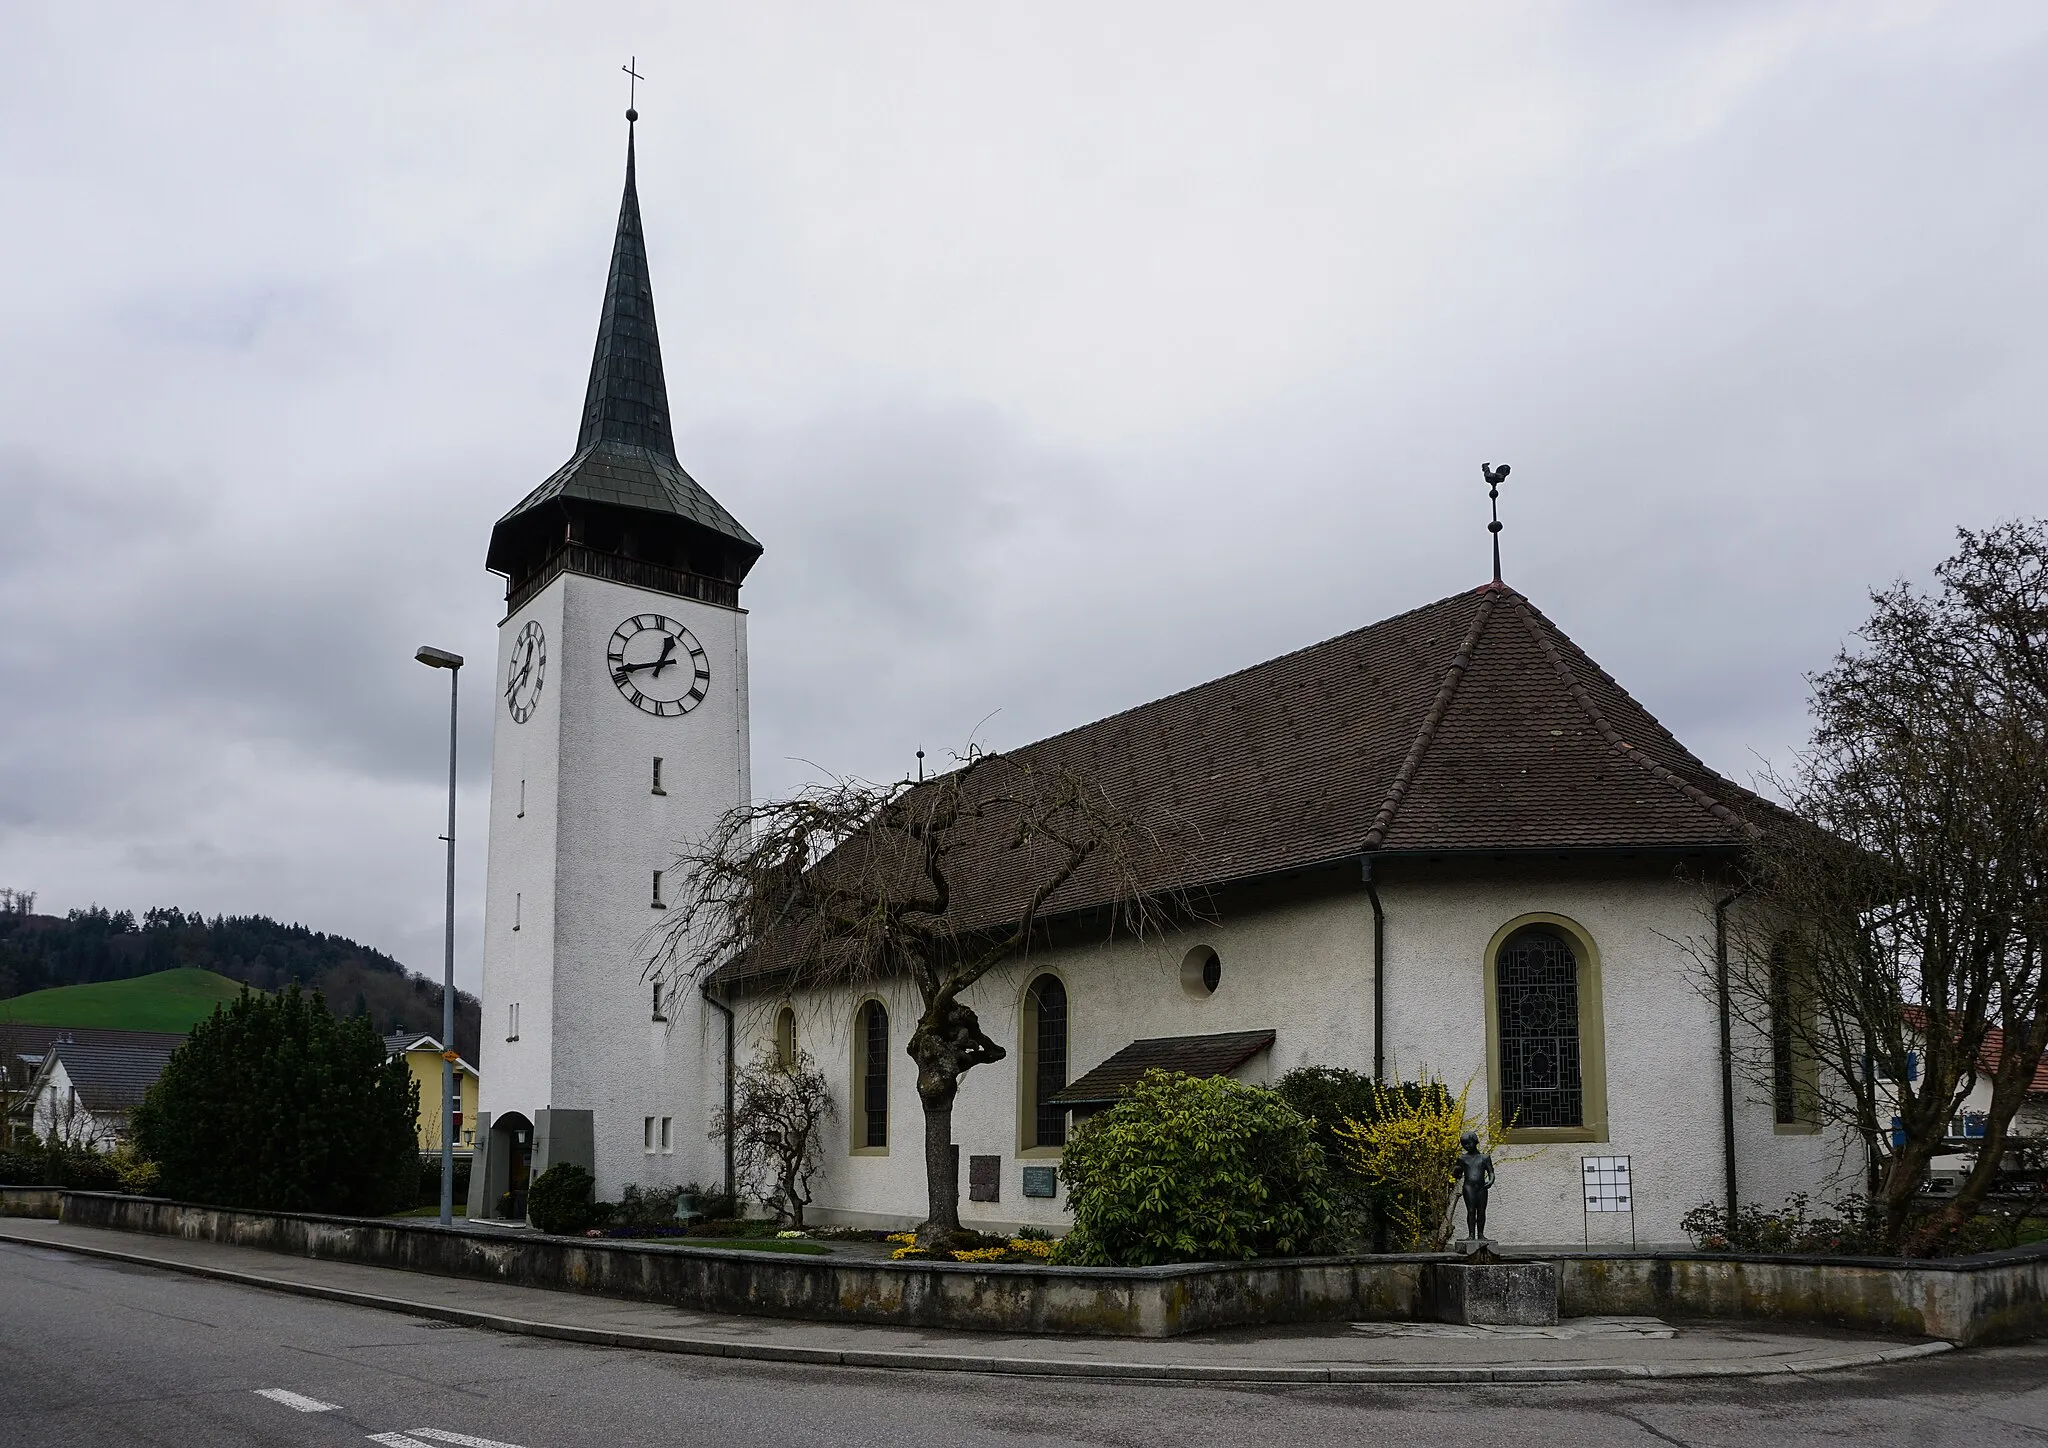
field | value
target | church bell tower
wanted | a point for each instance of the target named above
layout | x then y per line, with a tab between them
621	729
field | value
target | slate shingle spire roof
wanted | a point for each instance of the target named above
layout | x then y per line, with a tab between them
625	447
1470	726
627	400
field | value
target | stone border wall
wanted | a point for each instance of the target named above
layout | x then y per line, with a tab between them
1996	1297
30	1201
1115	1302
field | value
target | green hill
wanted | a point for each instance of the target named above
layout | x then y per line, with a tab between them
170	1000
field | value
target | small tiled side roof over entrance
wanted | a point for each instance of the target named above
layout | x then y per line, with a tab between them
1470	725
1216	1055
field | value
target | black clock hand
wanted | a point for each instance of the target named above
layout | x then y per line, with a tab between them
668	647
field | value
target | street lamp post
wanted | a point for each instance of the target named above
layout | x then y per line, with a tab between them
435	658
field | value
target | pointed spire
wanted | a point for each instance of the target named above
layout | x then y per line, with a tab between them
627	401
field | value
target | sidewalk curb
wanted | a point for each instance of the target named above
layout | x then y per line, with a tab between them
1020	1367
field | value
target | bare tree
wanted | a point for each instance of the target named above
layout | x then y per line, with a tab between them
778	1111
939	880
1885	939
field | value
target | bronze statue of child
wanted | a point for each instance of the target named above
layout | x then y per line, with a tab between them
1474	1173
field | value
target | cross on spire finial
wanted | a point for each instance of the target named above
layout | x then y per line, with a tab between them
632	88
1494	476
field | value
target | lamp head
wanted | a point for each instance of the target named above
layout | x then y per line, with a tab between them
435	658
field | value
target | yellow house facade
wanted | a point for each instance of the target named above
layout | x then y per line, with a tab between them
423	1057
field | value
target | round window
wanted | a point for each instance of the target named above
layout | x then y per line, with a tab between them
1201	971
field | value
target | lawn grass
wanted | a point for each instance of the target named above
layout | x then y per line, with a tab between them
170	1000
461	1210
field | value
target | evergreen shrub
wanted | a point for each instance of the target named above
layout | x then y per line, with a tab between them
276	1103
1194	1169
559	1200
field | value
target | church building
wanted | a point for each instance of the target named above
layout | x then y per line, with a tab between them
1446	844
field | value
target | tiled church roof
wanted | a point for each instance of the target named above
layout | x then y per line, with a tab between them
1472	724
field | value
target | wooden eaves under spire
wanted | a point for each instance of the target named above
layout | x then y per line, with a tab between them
623	507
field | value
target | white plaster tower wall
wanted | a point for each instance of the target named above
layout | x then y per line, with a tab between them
519	891
610	1055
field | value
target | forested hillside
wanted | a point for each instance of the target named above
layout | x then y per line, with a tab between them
39	951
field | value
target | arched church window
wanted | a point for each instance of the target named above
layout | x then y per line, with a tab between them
1046	1025
872	1075
785	1038
1536	979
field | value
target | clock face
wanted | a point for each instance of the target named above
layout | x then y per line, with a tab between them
658	665
526	672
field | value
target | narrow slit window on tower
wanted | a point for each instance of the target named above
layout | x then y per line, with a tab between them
647	1133
659	904
515	910
657	776
665	1134
659	1015
522	799
512	1021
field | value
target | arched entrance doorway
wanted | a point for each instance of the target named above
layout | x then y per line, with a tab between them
509	1162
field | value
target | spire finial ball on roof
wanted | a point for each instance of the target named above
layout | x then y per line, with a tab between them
631	115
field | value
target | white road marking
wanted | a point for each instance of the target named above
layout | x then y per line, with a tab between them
396	1440
297	1401
461	1440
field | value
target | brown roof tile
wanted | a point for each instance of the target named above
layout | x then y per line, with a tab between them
1469	724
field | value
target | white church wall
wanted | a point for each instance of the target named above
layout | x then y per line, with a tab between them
609	1054
572	861
519	889
1304	969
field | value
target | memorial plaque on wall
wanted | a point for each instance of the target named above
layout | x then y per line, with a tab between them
1041	1181
984	1178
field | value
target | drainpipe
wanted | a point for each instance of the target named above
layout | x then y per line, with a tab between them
1379	970
728	1012
1727	1048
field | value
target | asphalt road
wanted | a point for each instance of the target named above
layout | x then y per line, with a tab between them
104	1355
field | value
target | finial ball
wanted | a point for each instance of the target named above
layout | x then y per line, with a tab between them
631	115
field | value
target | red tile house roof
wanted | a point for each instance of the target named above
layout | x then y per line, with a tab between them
1470	724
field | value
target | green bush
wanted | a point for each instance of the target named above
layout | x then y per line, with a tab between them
1191	1169
428	1192
559	1201
33	1163
277	1103
1330	1096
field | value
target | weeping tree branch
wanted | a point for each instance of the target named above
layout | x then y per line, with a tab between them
850	883
1888	935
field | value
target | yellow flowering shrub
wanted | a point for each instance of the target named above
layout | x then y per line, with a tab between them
1407	1154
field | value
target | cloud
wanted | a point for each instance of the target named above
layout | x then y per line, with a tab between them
1061	358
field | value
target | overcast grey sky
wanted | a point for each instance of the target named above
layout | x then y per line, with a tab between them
1061	355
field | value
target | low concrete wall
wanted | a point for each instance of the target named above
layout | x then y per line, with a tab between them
1996	1297
30	1201
1114	1302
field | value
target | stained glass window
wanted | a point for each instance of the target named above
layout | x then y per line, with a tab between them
875	1073
1536	978
1049	1002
